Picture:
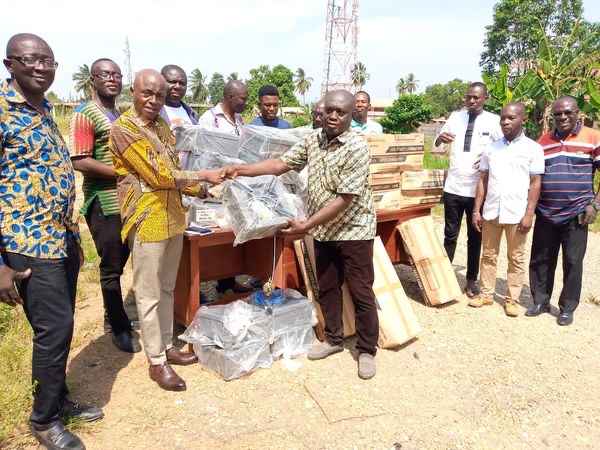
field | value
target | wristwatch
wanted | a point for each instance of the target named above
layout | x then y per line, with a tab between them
595	204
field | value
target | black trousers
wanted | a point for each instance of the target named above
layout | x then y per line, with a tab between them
455	206
49	303
548	238
352	261
106	232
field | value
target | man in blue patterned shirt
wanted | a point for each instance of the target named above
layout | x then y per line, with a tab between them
39	241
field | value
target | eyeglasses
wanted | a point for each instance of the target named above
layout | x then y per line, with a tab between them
104	75
565	113
32	61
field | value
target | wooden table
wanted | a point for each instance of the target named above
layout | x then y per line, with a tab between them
213	256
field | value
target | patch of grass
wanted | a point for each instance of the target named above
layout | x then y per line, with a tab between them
431	161
62	120
15	372
593	299
595	227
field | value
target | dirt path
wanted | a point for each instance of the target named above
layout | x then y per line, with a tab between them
473	379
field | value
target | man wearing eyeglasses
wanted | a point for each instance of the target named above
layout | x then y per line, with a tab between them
566	207
39	239
89	130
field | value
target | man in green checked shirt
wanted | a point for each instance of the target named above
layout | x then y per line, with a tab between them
341	219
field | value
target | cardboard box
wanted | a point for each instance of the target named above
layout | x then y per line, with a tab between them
387	199
419	197
385	181
434	270
398	162
395	144
397	322
422	179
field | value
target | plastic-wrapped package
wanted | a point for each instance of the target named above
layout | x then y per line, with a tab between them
205	213
258	143
291	324
227	326
258	207
210	160
235	362
199	140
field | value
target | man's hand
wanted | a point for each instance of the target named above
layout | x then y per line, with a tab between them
525	224
295	226
8	291
446	137
81	256
590	215
212	176
228	173
476	221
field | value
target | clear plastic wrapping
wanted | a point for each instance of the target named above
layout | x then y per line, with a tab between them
233	340
206	213
259	206
198	140
258	143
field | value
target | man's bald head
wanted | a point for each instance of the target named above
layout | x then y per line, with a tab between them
15	43
317	114
516	107
339	108
235	97
30	62
149	92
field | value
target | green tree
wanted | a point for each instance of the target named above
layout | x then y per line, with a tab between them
556	72
198	86
514	35
359	75
233	76
215	88
407	85
53	98
406	114
280	76
302	83
446	98
83	81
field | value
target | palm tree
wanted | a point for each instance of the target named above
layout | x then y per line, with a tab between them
233	76
83	81
198	86
411	83
302	83
359	75
401	86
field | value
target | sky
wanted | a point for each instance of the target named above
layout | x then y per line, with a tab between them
437	40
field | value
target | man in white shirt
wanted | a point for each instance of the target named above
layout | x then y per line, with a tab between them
511	178
469	132
225	116
360	122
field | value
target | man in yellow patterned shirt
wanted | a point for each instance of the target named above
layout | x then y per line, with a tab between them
341	219
149	188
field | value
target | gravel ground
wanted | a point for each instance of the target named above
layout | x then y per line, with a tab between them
473	379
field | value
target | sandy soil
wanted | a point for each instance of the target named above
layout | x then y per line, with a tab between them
473	379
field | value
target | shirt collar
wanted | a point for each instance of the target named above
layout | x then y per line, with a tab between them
143	122
575	132
514	141
342	138
13	96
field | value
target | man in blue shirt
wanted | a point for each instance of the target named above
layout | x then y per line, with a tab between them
268	102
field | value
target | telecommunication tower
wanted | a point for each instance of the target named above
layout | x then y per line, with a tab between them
341	42
129	75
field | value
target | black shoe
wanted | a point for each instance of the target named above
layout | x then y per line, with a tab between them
536	310
57	438
125	342
135	325
564	319
72	410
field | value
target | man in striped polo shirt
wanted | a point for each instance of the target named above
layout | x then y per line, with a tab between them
566	207
89	130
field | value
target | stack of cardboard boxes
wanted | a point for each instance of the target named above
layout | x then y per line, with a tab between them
396	172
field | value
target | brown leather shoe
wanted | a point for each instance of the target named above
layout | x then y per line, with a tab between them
166	377
179	358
